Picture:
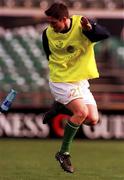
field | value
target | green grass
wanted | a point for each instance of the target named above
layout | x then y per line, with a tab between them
34	160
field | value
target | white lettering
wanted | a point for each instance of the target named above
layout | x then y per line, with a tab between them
110	127
21	125
5	126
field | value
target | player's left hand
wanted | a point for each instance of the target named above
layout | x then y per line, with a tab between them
86	24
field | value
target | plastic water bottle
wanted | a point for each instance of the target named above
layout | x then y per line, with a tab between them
8	100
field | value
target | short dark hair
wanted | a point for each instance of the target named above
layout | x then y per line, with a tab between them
57	11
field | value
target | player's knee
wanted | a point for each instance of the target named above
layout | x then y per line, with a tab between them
91	122
81	115
94	121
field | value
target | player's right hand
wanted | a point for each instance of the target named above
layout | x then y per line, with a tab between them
86	24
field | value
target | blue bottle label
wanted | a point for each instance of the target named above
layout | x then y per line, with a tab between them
7	103
8	100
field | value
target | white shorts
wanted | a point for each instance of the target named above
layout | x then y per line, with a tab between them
66	92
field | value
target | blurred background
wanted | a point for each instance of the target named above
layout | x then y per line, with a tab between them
23	66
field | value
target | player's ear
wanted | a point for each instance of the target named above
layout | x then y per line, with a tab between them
64	19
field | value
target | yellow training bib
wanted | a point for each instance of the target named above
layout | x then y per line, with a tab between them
72	54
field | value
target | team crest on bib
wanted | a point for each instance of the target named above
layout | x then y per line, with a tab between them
70	49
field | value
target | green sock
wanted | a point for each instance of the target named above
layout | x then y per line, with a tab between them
69	133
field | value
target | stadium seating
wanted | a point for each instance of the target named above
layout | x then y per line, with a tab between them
79	4
25	58
23	66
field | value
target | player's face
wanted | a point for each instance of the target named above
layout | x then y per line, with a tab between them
57	25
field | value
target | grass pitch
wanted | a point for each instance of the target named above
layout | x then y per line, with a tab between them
34	160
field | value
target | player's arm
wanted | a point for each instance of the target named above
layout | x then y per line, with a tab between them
45	44
93	31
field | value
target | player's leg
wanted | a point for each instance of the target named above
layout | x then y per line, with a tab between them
90	102
93	116
60	93
70	95
56	109
80	112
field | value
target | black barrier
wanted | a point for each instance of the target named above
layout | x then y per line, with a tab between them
30	125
